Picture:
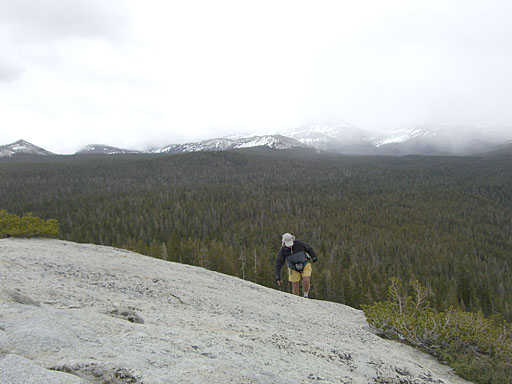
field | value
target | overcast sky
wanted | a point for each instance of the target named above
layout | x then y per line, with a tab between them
135	74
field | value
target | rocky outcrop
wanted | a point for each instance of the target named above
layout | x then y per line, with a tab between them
75	313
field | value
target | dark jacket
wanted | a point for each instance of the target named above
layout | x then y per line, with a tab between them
284	252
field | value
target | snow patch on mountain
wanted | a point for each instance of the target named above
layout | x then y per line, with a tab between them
399	136
22	147
318	133
222	144
453	139
104	149
338	137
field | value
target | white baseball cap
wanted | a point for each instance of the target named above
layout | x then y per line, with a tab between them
288	239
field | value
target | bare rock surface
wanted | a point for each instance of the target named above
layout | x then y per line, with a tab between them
16	369
80	313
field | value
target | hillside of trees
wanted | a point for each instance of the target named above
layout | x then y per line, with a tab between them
444	221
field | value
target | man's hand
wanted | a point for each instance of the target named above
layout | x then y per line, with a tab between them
314	258
279	282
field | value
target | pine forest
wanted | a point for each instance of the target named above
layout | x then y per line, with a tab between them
443	221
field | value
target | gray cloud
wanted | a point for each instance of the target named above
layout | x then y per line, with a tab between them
429	61
161	71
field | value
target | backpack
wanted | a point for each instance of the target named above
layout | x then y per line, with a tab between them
298	261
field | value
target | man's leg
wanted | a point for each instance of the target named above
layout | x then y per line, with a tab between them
306	279
294	278
295	288
305	285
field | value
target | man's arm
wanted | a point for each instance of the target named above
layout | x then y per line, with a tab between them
279	264
310	252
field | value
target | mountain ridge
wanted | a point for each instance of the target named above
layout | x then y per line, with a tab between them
338	138
221	144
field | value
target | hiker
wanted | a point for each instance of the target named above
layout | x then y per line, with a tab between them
299	255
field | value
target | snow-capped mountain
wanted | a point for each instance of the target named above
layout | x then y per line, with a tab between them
22	146
104	149
345	138
426	139
221	144
340	137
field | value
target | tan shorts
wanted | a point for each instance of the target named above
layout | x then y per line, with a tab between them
295	276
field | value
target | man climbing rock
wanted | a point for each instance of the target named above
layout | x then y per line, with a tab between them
298	255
